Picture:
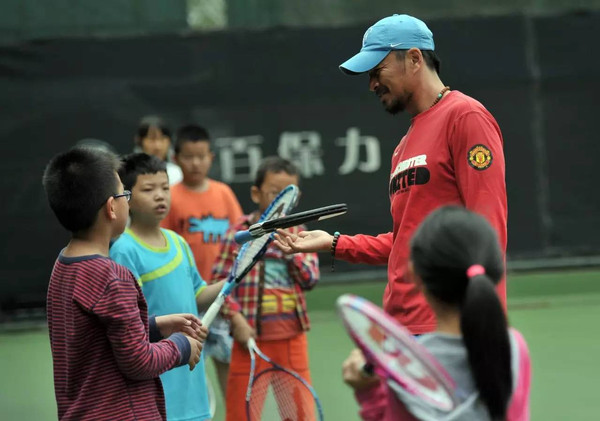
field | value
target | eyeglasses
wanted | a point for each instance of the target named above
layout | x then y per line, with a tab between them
126	194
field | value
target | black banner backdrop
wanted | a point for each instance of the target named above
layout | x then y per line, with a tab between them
280	90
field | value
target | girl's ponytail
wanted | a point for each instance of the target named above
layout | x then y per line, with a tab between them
485	335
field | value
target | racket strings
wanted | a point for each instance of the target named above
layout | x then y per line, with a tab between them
248	253
404	360
250	250
281	205
277	395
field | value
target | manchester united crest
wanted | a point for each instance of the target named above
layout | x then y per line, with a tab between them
480	157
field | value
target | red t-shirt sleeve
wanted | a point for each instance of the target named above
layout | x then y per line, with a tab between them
477	152
365	248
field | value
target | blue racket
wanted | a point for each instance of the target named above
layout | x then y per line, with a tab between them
278	393
251	252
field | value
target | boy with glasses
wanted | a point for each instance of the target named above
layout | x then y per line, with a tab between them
105	366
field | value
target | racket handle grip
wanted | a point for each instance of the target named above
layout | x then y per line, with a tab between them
368	369
213	310
251	344
242	237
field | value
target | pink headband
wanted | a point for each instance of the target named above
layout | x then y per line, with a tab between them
475	270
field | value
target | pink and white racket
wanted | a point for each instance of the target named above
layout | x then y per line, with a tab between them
395	354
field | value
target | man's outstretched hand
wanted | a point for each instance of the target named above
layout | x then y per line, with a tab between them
303	242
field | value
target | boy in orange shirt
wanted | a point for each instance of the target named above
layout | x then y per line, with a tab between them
202	209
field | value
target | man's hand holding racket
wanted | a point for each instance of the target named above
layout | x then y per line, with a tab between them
261	228
303	242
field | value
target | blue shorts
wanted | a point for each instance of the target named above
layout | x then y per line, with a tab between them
219	342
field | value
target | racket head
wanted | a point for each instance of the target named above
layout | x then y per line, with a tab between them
278	393
285	201
251	251
299	218
395	353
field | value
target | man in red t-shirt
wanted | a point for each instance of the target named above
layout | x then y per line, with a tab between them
451	154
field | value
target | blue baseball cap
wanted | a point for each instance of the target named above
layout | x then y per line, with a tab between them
397	32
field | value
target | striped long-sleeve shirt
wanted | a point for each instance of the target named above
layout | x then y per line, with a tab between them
303	269
105	367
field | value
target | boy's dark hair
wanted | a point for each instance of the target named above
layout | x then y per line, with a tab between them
137	164
431	59
152	121
274	164
447	243
77	183
190	133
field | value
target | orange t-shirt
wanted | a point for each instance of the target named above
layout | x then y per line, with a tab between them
202	218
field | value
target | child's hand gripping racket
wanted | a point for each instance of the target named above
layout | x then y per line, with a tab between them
395	354
261	228
251	252
277	393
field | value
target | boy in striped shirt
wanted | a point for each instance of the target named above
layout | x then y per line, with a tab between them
105	366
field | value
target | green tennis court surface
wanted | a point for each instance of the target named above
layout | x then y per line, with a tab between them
557	312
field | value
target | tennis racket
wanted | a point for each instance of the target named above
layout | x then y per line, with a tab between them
250	253
261	228
278	393
395	354
212	397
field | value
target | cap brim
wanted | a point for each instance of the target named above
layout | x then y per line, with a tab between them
363	62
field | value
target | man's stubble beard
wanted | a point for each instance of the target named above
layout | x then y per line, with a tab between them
398	105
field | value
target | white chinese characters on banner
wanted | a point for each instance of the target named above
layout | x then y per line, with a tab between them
239	157
304	150
353	142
